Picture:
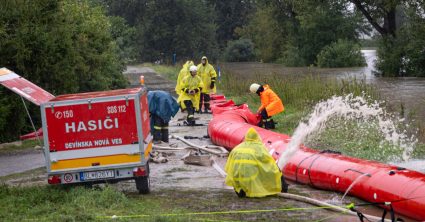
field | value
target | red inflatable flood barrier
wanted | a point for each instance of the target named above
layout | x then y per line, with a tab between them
376	182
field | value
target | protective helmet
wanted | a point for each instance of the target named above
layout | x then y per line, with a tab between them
193	68
254	87
204	57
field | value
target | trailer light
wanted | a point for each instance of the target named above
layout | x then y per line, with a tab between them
139	171
56	179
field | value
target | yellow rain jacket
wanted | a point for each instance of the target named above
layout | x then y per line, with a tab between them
206	73
251	168
183	73
270	101
190	82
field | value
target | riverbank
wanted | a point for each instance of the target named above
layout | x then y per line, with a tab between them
300	92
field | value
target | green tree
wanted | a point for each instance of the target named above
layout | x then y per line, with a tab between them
183	27
294	32
241	50
166	27
268	33
400	24
231	15
63	46
342	53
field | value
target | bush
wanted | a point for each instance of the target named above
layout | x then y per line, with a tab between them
292	58
241	50
342	53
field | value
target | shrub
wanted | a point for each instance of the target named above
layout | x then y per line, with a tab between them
292	58
342	53
241	50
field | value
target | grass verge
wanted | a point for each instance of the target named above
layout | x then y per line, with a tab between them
50	203
300	94
17	147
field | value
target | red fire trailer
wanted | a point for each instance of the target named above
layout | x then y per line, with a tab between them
91	137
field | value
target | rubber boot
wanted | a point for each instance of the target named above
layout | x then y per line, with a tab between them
269	124
164	134
207	99
260	124
241	194
284	185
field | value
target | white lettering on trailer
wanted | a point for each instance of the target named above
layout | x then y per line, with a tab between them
67	127
81	126
101	142
94	143
117	141
78	144
106	124
91	125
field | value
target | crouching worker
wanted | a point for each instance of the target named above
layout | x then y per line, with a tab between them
252	171
271	104
162	106
190	93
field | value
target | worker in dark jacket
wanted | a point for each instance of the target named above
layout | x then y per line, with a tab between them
162	106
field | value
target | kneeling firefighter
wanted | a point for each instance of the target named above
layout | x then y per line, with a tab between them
162	106
190	92
252	171
271	104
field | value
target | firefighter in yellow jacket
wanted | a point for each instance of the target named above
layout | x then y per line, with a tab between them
190	92
252	171
183	73
208	75
271	104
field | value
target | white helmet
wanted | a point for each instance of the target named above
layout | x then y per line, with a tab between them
193	68
254	87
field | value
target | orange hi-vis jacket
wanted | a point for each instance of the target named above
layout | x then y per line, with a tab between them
270	101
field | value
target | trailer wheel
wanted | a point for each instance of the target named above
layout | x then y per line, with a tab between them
143	183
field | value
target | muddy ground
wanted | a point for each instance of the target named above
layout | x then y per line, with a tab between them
192	187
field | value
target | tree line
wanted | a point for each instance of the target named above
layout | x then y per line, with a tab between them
68	46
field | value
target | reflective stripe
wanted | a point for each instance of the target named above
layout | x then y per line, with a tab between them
100	161
246	151
206	102
190	116
95	152
148	149
165	127
250	162
157	127
244	178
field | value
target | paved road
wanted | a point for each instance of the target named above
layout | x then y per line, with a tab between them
153	80
21	162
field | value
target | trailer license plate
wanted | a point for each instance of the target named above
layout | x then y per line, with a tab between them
94	175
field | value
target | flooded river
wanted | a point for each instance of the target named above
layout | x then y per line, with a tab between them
403	91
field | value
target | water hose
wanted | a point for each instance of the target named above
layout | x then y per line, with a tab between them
328	206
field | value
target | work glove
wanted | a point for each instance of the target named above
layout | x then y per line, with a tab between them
212	85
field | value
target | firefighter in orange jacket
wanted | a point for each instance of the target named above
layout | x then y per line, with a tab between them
271	104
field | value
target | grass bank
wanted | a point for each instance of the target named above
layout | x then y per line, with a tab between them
300	93
48	203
